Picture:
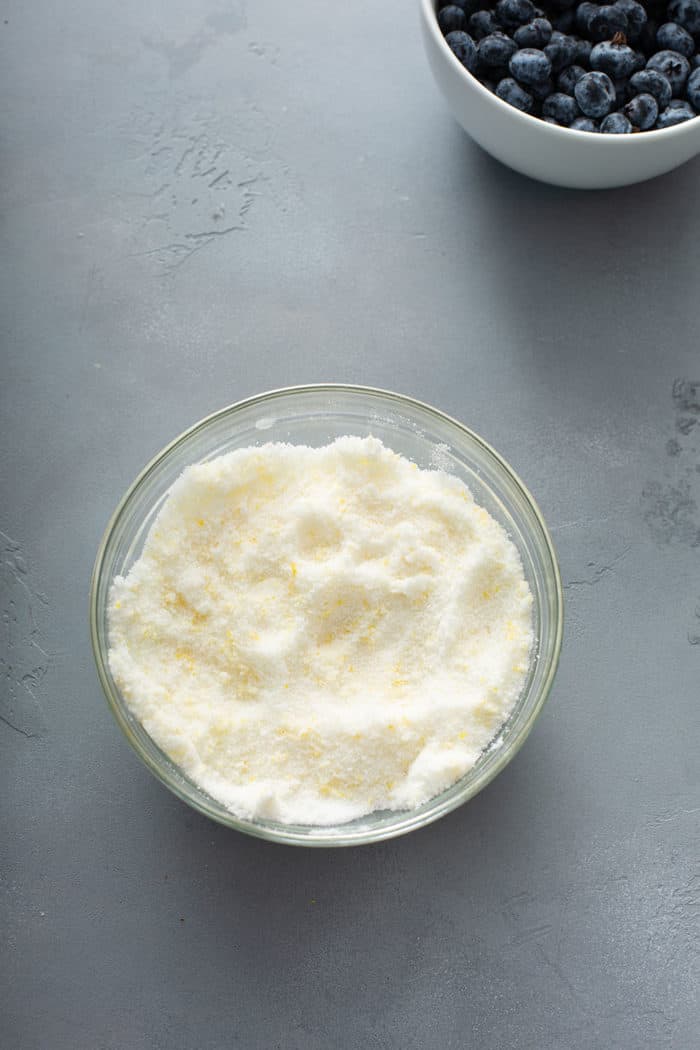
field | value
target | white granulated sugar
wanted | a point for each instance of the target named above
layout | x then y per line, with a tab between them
316	633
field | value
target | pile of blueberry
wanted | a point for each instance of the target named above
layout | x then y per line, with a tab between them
616	68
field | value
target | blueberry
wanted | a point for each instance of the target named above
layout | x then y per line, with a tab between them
511	91
673	37
693	89
565	22
551	120
677	112
617	60
451	18
651	82
607	21
695	62
495	50
514	13
562	107
584	13
541	89
530	66
642	111
583	52
686	13
535	34
616	124
595	94
468	6
674	67
636	17
561	50
583	124
566	81
482	23
640	61
462	45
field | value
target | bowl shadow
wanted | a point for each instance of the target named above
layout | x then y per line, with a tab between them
471	860
584	275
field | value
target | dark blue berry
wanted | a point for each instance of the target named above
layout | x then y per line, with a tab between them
495	50
595	94
693	89
607	21
676	112
617	60
468	6
451	18
583	52
542	89
686	13
462	45
530	66
616	124
640	61
584	124
551	120
562	107
642	112
482	23
584	13
674	67
636	17
514	13
511	91
673	37
566	81
651	82
695	62
561	50
535	34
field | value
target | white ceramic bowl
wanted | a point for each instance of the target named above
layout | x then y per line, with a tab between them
578	159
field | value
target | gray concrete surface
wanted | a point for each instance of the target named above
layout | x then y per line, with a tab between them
202	199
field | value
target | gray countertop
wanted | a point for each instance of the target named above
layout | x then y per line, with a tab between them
204	199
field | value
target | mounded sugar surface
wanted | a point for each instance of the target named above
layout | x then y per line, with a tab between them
316	633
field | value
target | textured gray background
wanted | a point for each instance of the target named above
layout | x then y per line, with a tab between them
210	199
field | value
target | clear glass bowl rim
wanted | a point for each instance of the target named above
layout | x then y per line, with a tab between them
405	820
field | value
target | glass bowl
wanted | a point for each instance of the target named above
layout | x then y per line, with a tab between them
316	415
